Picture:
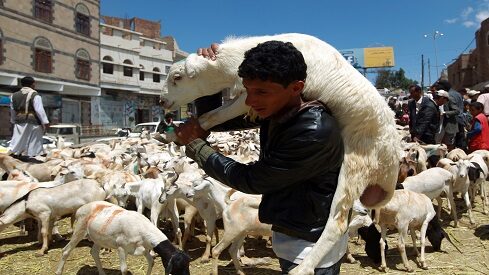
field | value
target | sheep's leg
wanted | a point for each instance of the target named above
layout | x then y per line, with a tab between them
401	245
383	240
422	259
156	209
122	259
188	220
211	228
413	237
150	261
233	251
349	256
439	201
451	201
172	207
483	196
79	232
469	207
486	201
227	239
95	252
45	221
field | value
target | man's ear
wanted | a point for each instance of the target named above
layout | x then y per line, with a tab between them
297	87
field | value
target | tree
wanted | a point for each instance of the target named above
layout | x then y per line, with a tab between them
393	79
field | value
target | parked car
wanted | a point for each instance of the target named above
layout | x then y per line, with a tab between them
69	132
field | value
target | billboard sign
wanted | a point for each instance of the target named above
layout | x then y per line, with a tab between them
370	57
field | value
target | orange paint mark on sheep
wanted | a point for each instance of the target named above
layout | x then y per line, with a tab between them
109	220
95	212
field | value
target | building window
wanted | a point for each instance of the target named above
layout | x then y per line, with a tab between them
156	75
82	65
107	68
141	72
167	69
82	19
43	55
43	10
127	69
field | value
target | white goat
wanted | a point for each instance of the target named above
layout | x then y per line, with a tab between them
129	232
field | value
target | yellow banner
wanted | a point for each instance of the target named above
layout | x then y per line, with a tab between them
379	57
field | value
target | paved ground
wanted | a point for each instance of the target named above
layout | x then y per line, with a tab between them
17	254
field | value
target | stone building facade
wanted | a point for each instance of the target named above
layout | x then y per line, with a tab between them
471	70
57	43
134	63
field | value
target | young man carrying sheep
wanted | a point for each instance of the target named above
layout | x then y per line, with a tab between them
301	152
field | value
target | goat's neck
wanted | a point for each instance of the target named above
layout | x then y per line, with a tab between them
218	193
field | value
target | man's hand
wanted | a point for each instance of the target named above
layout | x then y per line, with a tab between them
189	131
210	52
45	127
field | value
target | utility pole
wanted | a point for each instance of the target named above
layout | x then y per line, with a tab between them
429	72
422	72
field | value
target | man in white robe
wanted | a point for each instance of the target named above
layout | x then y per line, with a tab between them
29	119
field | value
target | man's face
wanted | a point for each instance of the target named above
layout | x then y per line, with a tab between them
416	95
268	98
440	100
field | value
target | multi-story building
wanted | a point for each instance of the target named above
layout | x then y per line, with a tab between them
135	62
57	43
471	70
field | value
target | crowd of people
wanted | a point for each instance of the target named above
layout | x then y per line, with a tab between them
458	119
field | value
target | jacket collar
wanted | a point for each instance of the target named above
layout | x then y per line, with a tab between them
294	111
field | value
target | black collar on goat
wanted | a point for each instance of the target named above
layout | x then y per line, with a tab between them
175	261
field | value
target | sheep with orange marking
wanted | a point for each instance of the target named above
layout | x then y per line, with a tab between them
128	232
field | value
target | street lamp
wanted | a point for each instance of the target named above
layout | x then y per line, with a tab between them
435	35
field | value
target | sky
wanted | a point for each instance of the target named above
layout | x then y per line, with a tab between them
343	24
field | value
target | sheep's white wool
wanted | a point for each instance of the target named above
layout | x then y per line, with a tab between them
372	145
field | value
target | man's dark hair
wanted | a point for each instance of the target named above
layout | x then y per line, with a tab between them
443	85
275	61
416	87
170	115
477	105
27	81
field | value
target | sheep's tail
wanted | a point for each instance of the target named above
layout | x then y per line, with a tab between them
227	198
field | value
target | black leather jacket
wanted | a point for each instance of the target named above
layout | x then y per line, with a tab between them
297	172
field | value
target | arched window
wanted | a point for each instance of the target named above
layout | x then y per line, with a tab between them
82	64
108	65
141	72
43	55
127	69
82	19
43	10
156	75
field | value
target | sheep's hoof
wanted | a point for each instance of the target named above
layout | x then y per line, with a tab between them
409	269
383	268
204	260
58	237
40	253
424	266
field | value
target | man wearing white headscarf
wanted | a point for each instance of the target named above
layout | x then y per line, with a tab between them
29	119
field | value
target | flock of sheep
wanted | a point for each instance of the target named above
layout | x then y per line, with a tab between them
95	183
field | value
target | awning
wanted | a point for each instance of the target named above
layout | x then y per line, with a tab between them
480	86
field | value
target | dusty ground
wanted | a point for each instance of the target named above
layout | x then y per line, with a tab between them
17	254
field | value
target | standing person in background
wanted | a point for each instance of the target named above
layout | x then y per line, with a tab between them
424	116
479	133
29	119
452	115
169	125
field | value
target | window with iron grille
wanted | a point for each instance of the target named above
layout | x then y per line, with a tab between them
82	64
82	23
43	61
43	10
